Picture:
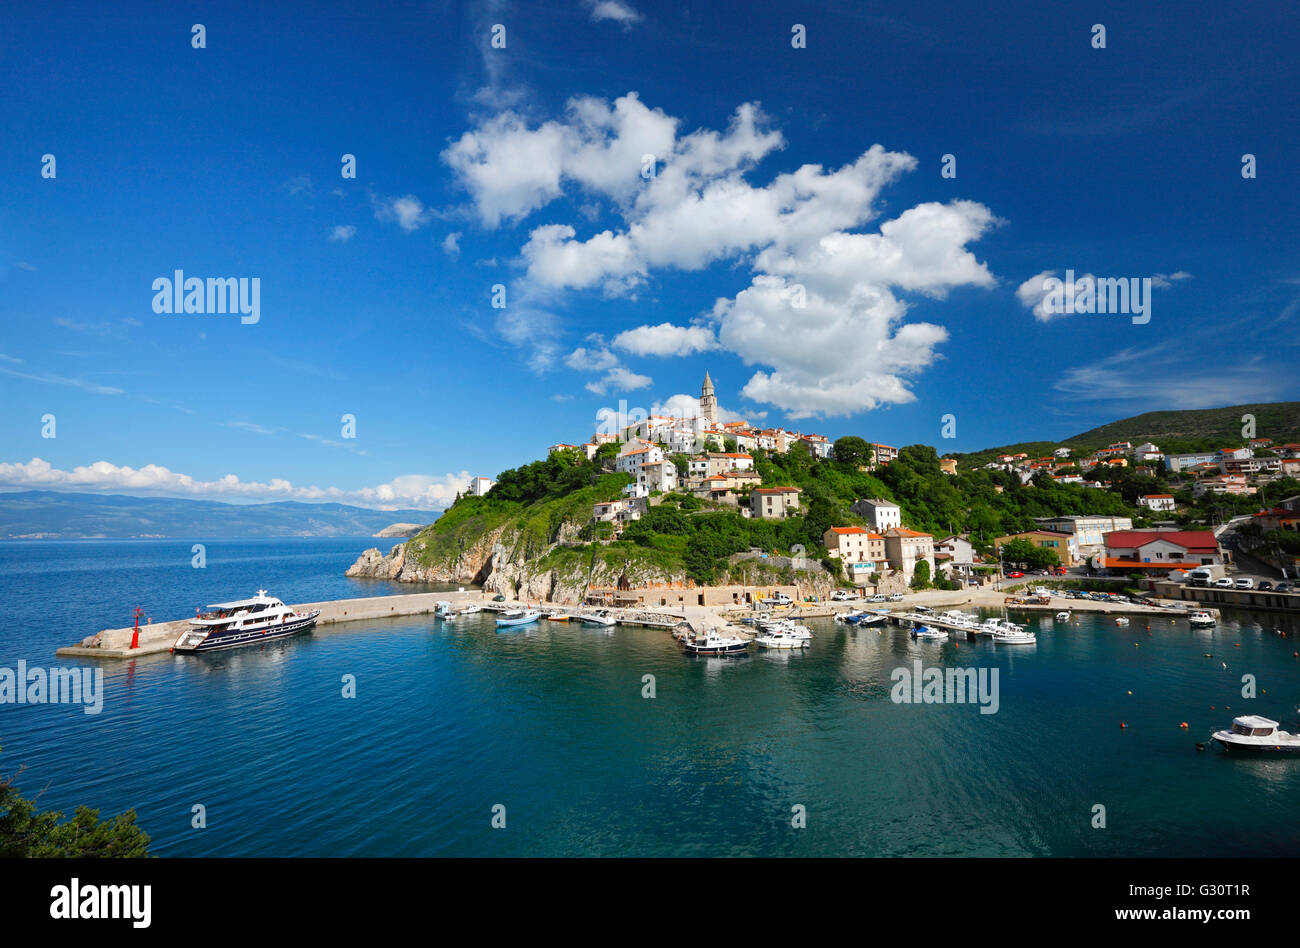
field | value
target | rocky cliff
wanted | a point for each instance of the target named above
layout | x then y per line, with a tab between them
503	561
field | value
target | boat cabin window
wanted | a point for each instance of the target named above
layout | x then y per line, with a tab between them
1251	732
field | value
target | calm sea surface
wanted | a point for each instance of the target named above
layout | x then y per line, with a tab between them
550	723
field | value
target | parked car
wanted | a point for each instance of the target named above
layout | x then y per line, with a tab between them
1283	588
1264	586
1015	574
780	599
1245	583
842	595
498	598
1224	583
878	597
895	597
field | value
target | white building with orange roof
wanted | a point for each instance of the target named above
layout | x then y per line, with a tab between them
861	551
635	454
905	548
658	475
1157	503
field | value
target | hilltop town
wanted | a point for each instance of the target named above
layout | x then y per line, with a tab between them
674	509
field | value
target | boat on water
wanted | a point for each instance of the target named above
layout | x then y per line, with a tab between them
714	643
1012	634
600	617
872	619
1121	621
469	609
1254	734
929	634
1201	618
960	619
518	617
442	609
781	639
243	622
787	627
1062	617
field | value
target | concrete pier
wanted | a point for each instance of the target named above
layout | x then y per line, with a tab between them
158	637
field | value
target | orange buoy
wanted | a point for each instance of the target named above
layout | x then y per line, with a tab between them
1130	692
1183	725
1122	724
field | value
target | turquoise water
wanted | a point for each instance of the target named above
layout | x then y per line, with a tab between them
450	721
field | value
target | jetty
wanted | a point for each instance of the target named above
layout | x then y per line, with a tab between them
158	637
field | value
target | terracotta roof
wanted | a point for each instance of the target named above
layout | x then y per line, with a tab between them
1201	541
777	490
848	530
1156	496
904	532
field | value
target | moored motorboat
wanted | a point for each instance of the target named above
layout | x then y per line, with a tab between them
518	617
1121	621
1257	735
929	634
780	639
600	617
243	622
1199	618
1063	616
714	643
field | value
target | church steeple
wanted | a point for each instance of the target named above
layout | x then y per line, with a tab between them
708	401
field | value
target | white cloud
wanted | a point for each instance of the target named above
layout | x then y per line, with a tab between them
591	359
688	406
847	350
665	339
1156	378
50	379
412	490
619	379
342	233
408	210
614	10
1034	292
451	244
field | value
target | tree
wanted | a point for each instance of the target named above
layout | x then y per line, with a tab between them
921	574
27	833
852	451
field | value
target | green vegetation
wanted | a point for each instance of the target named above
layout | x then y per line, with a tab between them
27	833
1176	432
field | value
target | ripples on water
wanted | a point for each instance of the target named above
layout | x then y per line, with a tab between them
549	722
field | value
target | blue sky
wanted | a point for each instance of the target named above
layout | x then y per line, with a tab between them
522	167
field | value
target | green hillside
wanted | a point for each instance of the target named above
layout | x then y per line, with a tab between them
1202	429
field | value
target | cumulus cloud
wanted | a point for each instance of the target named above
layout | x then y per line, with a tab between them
412	490
665	339
688	406
619	379
408	211
820	321
342	232
451	244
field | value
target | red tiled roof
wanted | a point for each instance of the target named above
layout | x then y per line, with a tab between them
848	530
1200	541
776	490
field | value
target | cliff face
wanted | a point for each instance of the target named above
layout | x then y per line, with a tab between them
502	561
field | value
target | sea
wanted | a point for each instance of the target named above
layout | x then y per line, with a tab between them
414	737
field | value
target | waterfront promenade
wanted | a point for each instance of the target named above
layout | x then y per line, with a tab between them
158	637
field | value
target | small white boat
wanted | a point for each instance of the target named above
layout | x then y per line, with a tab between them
469	609
442	609
1200	618
1062	617
781	640
929	634
1122	621
599	617
714	644
518	617
1257	735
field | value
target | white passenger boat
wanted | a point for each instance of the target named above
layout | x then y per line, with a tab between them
714	644
442	609
518	617
1257	735
243	622
1062	617
785	626
469	609
600	617
777	639
1200	618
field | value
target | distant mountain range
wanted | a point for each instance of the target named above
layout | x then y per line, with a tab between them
47	514
1200	429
